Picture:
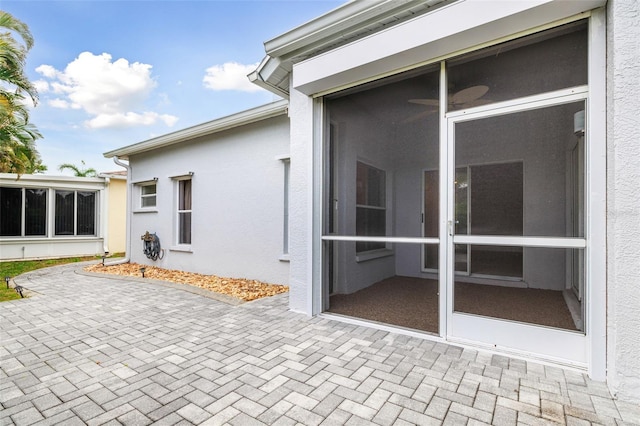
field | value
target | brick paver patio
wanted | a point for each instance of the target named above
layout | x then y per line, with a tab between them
97	350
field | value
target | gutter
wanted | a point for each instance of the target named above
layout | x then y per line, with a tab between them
333	24
344	24
105	214
127	245
256	78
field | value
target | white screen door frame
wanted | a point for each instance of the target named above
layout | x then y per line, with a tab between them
562	346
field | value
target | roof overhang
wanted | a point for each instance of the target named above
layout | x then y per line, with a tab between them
349	22
363	40
211	127
50	180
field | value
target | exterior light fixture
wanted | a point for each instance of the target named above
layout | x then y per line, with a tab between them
19	290
142	271
7	279
103	260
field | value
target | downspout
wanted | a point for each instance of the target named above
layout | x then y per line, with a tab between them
105	215
127	244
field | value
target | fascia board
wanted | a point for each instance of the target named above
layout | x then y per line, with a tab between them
324	31
321	27
225	123
351	25
112	176
52	181
436	34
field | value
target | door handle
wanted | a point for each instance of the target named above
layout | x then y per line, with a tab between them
450	225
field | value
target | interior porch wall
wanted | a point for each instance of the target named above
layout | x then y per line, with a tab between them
402	152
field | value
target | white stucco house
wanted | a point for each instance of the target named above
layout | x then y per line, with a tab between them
45	216
234	169
464	171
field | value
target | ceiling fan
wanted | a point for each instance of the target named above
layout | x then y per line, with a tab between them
465	98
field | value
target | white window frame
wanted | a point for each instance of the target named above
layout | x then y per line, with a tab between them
286	166
96	210
139	196
382	251
148	196
180	246
23	213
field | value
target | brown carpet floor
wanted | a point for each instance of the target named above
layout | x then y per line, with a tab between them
413	303
402	301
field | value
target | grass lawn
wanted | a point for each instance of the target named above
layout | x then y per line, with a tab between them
13	269
8	293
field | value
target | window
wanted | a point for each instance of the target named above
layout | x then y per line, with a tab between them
75	213
65	205
184	211
86	213
10	217
35	211
18	219
148	195
371	213
285	243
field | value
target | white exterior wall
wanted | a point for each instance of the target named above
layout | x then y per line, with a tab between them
51	246
623	200
237	207
301	202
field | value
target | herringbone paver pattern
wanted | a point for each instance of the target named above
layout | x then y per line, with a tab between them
95	350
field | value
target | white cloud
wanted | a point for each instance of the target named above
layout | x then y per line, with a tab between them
230	76
62	104
129	119
47	71
112	92
41	86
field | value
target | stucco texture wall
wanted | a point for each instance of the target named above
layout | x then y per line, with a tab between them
623	200
237	202
301	201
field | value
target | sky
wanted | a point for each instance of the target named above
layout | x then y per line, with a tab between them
112	73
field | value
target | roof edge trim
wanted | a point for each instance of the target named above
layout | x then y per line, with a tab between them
259	80
325	24
215	126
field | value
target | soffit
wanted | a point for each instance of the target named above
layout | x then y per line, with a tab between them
462	26
345	24
354	24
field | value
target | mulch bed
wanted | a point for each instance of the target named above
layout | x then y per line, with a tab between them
240	288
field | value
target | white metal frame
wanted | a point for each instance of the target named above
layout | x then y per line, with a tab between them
286	176
96	215
561	346
143	196
586	351
178	245
23	214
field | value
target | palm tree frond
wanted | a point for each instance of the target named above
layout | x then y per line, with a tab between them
8	21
